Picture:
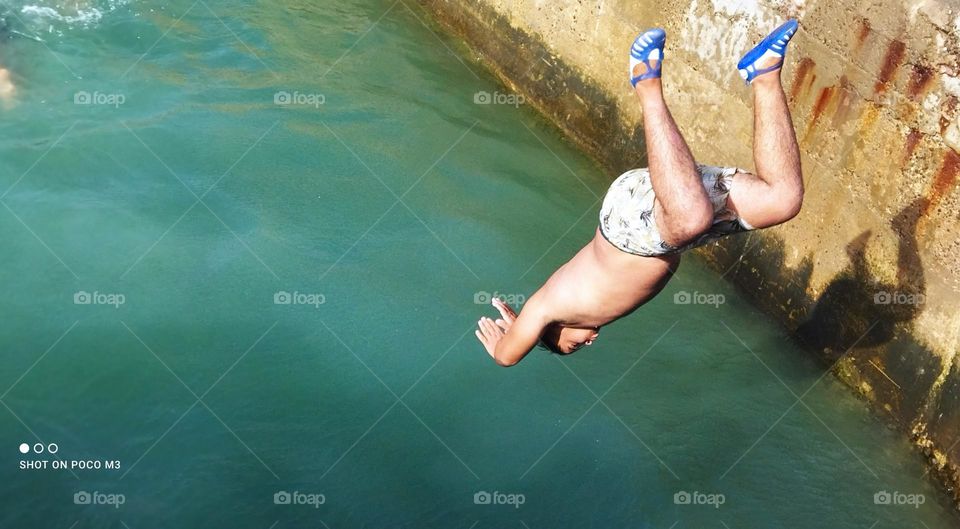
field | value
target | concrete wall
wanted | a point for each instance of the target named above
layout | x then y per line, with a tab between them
874	87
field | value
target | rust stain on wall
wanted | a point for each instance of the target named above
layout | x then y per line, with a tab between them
804	67
891	61
823	100
862	35
920	77
945	180
913	138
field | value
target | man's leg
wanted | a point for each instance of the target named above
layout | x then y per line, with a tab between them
775	193
683	210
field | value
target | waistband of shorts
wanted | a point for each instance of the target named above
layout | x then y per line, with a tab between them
624	250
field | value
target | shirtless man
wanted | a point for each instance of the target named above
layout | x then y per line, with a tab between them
6	85
650	216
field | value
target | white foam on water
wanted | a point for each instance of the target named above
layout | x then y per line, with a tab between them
57	16
83	17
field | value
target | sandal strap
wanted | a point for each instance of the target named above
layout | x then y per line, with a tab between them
755	73
648	75
651	71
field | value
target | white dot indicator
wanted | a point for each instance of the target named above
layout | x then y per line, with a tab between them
24	448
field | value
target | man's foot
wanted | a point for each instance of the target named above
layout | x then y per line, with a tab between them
767	56
646	55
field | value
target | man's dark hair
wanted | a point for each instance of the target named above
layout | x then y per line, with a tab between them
550	345
548	348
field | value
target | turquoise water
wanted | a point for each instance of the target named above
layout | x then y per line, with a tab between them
183	200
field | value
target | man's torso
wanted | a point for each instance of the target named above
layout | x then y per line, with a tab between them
602	283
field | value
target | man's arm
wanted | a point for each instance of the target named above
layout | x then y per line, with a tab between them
509	339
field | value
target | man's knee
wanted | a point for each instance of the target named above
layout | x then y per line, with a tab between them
783	203
790	200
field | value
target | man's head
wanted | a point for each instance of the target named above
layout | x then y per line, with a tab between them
564	340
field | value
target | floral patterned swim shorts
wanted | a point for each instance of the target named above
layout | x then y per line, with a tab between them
627	216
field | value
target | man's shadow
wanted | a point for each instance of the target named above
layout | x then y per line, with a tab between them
856	310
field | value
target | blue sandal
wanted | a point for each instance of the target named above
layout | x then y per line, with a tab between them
647	47
773	46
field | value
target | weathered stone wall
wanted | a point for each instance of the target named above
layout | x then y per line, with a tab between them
867	276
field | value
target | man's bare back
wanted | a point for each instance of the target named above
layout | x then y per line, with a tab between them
652	215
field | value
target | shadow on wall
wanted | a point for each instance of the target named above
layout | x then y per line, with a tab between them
857	310
858	323
860	327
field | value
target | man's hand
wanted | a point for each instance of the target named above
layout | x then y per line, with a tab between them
507	313
491	332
